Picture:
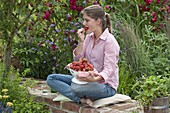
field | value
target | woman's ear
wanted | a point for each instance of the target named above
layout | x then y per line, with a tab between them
98	21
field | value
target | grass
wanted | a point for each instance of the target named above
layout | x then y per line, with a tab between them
132	44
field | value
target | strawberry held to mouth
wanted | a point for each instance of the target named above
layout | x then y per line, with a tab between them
86	28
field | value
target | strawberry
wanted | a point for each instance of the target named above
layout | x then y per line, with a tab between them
86	28
81	65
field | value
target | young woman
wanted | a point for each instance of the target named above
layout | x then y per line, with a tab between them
101	49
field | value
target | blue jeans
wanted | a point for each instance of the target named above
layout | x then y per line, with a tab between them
92	90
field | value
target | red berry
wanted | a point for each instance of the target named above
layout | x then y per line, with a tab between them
86	28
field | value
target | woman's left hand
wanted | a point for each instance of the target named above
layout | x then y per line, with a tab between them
87	79
90	78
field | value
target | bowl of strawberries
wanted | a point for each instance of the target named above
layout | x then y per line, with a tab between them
80	69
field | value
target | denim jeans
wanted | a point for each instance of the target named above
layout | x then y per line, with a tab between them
92	90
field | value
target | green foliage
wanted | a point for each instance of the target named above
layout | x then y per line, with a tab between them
19	96
126	80
5	105
38	58
133	46
151	87
157	51
29	106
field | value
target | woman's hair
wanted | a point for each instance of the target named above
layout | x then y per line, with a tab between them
95	12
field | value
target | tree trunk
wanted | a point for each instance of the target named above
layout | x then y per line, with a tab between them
7	57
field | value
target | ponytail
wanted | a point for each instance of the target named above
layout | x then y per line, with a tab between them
108	22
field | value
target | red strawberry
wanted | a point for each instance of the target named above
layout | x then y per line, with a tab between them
86	28
81	65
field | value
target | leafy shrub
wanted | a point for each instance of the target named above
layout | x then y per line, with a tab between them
40	60
156	49
149	88
19	95
126	80
5	105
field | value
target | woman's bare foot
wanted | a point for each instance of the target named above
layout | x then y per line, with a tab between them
83	100
86	101
89	102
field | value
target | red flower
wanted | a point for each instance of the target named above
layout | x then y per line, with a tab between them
50	5
164	2
69	18
31	4
144	8
95	2
161	25
53	47
168	8
107	8
40	44
148	2
79	8
46	15
154	19
72	1
158	1
154	14
156	29
29	28
32	23
73	7
75	31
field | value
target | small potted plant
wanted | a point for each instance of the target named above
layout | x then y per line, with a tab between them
153	94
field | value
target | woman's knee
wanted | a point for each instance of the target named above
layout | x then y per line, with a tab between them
77	89
74	88
49	78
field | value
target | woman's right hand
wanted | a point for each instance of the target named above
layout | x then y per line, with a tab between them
81	37
81	34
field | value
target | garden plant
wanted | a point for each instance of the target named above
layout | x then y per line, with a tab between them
5	105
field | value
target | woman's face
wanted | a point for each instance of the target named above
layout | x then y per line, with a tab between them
91	23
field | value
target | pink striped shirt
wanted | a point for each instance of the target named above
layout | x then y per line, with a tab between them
103	56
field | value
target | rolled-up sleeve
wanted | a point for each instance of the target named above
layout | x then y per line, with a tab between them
76	57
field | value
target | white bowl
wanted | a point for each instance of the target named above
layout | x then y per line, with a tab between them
75	74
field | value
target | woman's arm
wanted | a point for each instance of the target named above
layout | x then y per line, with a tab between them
79	48
81	37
